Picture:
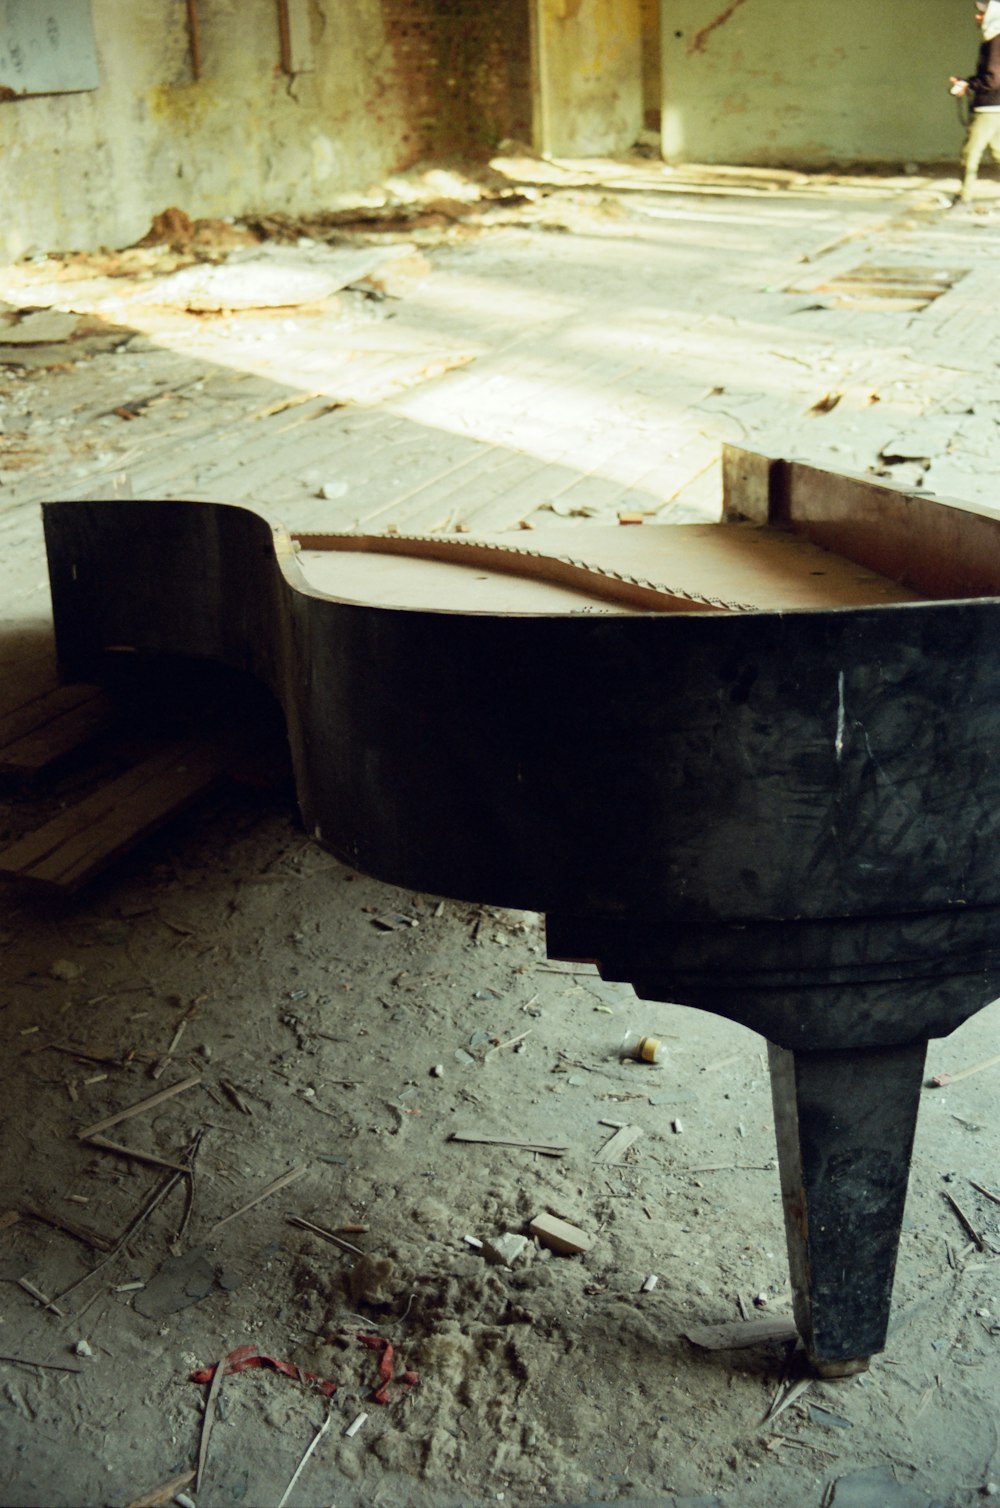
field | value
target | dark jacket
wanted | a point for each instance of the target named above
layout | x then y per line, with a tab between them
985	82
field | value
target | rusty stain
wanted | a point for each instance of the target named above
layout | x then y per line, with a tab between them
700	38
194	35
570	10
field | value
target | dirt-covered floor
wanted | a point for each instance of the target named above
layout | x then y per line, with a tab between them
544	348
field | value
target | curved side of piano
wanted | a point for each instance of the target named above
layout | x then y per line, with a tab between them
673	789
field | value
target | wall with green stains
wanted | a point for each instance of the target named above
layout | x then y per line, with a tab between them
798	84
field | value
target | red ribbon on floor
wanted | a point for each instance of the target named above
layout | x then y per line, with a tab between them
246	1357
406	1380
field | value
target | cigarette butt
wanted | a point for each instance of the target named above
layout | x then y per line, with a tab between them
355	1425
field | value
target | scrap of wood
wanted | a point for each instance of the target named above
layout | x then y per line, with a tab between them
135	1155
66	852
560	1235
738	1335
966	1223
791	1395
161	1067
327	1235
48	1366
272	1188
89	1238
162	1497
152	1203
548	1149
987	1192
142	1105
511	1042
232	1093
615	1149
208	1419
36	1293
941	1079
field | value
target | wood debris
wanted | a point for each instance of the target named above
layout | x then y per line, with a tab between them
941	1079
208	1420
163	1496
970	1230
738	1335
138	1109
547	1149
326	1235
614	1149
134	1155
272	1188
559	1235
36	1293
48	1366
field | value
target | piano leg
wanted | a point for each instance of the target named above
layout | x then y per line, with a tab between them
845	1122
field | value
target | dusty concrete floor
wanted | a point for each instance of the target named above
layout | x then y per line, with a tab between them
576	349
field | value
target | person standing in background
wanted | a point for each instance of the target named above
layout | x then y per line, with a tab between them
983	88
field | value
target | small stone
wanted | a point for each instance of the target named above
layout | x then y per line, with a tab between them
504	1250
82	1348
437	1072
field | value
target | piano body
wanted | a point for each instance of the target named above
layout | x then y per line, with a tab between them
751	767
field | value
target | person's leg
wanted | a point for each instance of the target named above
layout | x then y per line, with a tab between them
994	137
976	139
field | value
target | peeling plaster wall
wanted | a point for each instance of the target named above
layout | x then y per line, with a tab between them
780	82
590	76
91	169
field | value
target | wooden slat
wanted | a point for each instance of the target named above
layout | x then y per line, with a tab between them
82	840
48	727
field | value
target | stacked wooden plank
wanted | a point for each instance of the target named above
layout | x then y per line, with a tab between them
86	835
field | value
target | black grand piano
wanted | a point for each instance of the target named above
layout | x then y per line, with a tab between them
752	767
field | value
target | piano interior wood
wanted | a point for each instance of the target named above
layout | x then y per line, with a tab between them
694	567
